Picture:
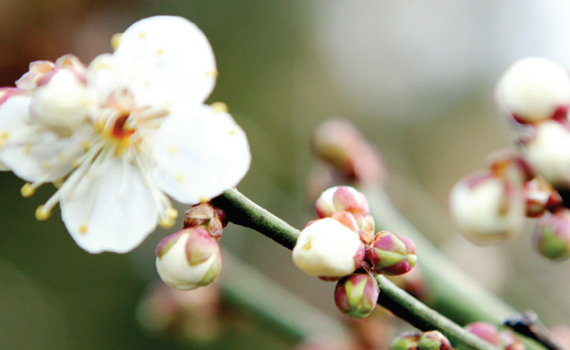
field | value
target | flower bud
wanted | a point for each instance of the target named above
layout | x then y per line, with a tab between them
356	295
406	341
552	235
485	331
434	340
534	89
339	143
341	198
548	152
205	215
327	248
60	102
392	254
487	208
188	259
540	196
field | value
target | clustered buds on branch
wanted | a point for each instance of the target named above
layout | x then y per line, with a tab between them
491	206
342	241
190	258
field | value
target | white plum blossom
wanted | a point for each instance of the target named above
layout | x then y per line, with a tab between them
121	135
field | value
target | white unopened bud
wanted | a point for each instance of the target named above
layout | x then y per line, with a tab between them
61	103
548	153
188	259
534	89
327	248
486	208
341	198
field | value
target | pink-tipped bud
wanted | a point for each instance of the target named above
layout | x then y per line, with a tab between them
356	295
510	342
434	340
406	341
339	143
485	331
548	152
534	89
205	215
552	235
341	198
540	196
329	249
487	208
188	259
392	254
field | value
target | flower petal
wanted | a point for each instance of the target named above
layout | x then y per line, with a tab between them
163	59
31	153
199	153
112	210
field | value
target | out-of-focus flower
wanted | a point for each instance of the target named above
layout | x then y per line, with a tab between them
552	235
392	254
124	133
485	331
434	340
188	259
487	208
540	196
548	152
356	295
194	316
327	248
340	144
534	89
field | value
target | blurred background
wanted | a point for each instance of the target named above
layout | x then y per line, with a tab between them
416	76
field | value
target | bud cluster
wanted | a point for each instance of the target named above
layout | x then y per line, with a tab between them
342	241
535	93
190	258
413	340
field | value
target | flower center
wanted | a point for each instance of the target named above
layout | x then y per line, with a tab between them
121	130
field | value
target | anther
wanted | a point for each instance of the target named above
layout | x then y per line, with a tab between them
27	190
42	214
219	107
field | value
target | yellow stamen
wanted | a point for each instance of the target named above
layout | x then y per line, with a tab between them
27	190
58	183
220	107
213	73
166	222
173	149
42	214
116	40
159	52
204	199
83	229
171	213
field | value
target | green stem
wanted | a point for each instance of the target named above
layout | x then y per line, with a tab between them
242	211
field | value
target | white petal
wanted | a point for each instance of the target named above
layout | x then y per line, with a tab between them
25	150
113	212
163	59
100	78
200	153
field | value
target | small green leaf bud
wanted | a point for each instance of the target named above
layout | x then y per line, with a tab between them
406	341
392	254
434	340
356	295
552	235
